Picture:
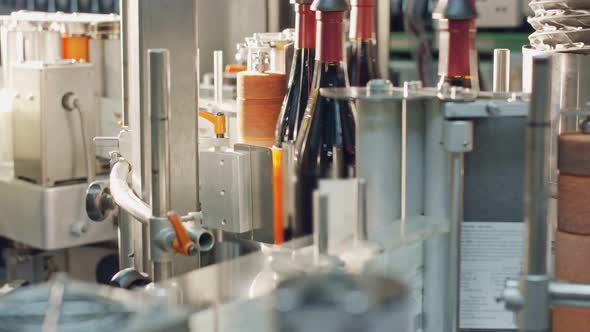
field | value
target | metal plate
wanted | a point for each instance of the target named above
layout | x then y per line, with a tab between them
364	93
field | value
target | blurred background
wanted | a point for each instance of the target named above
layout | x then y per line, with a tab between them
67	6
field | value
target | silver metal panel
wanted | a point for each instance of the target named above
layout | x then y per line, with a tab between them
223	184
236	189
381	121
47	142
45	217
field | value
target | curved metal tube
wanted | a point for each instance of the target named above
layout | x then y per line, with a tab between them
124	196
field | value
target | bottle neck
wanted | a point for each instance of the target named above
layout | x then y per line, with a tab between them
305	28
330	44
461	48
362	20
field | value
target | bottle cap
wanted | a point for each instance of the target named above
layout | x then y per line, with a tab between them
331	5
460	10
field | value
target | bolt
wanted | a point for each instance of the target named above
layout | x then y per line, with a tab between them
585	126
379	86
192	250
493	109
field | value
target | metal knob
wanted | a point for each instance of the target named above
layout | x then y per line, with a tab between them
99	203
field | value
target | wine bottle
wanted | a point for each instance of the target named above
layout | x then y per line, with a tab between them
362	61
294	104
461	54
325	144
301	74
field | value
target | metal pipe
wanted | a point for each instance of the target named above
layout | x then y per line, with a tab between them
204	239
159	108
320	224
124	196
536	224
361	232
382	13
570	295
125	245
455	241
501	70
162	270
218	77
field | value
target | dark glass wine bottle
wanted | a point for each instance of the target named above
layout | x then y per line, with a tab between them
301	74
293	106
325	144
362	61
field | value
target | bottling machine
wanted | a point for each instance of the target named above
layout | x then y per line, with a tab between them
445	224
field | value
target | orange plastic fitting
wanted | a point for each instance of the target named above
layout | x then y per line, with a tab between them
182	244
218	121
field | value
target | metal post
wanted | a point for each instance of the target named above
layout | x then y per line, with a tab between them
162	271
218	77
501	70
536	181
455	241
320	224
361	231
383	16
535	317
159	108
458	139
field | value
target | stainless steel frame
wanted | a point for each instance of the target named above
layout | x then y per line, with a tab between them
533	295
147	25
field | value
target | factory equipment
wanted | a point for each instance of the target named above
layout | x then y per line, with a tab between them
401	205
56	107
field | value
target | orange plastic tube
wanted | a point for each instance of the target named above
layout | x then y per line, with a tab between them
277	186
75	47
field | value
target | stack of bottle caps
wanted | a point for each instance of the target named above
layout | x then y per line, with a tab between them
560	25
572	239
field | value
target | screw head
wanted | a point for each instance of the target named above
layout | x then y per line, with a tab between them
192	250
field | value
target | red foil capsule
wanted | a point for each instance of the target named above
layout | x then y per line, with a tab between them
362	19
461	39
305	26
330	47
